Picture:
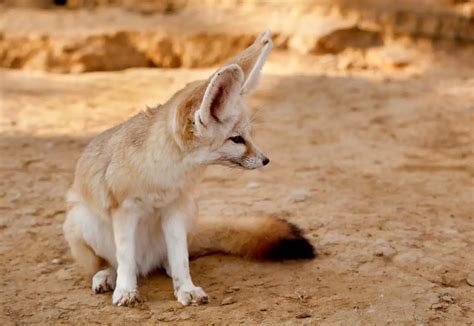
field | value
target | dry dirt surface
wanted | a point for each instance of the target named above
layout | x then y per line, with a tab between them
374	162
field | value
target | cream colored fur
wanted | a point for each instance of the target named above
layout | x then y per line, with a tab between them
131	205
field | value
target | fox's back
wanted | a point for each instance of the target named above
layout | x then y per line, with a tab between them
106	152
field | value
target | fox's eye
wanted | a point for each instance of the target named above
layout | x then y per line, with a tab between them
238	139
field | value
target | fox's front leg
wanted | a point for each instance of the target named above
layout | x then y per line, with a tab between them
175	219
125	222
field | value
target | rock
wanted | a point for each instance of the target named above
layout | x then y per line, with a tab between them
303	315
252	185
345	63
437	306
232	289
14	196
184	316
228	301
452	278
299	196
130	43
50	144
408	257
173	317
57	261
29	211
349	38
383	249
332	35
446	297
390	57
470	279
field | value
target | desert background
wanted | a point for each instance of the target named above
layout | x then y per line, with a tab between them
366	109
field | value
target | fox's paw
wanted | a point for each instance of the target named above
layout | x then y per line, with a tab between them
104	281
126	298
191	295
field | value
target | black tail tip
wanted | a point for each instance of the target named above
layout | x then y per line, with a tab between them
295	246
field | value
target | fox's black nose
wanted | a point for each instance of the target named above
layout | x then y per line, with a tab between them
265	161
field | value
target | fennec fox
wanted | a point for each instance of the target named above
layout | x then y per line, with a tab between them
131	206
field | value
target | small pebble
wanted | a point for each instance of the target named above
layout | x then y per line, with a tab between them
383	249
470	279
14	196
49	145
447	298
56	261
303	315
298	197
232	289
227	301
29	211
252	185
437	306
184	316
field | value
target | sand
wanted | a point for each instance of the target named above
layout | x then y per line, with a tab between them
373	160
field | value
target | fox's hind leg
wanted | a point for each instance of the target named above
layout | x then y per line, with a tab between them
104	280
80	220
80	250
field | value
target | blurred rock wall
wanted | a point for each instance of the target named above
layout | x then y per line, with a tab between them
92	35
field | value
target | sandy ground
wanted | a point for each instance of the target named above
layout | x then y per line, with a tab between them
379	161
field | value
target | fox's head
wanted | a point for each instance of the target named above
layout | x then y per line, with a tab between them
213	119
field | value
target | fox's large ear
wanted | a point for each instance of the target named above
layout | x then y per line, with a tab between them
220	96
252	60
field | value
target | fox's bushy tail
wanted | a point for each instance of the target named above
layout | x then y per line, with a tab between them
263	238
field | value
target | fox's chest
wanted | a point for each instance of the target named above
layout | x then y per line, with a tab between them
153	201
150	187
156	195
